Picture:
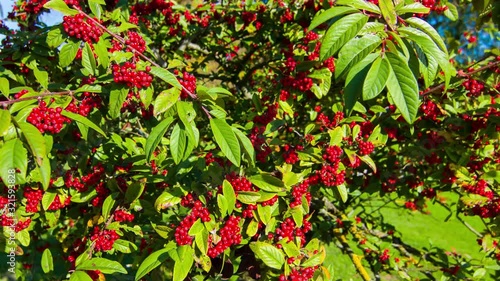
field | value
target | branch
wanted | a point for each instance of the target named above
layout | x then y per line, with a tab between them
463	75
41	95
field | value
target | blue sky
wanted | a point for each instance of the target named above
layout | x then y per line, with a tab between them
49	18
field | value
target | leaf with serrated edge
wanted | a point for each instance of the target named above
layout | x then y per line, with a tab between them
226	139
68	53
354	51
340	33
330	14
429	30
375	79
403	87
413	8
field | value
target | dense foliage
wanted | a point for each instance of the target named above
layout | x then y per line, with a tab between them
154	140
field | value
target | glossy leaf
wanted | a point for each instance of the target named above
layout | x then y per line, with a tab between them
360	4
116	99
166	100
183	265
429	30
47	261
267	182
226	140
320	18
413	8
355	80
178	141
155	137
60	6
35	141
84	121
154	260
403	87
355	51
340	33
14	156
229	194
80	276
269	254
88	60
105	266
166	76
68	53
376	79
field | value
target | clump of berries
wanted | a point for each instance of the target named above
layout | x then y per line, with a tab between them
104	239
198	211
127	74
33	197
230	234
188	83
81	28
365	147
135	42
123	216
47	119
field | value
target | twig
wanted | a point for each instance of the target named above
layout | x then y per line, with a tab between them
41	95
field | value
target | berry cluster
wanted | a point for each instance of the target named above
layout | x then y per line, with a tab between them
87	104
33	197
81	28
135	42
230	234
104	239
301	274
300	82
330	176
288	230
290	155
22	225
268	115
325	121
57	204
262	149
102	193
302	189
47	119
127	74
86	181
188	83
365	147
123	216
332	154
430	111
198	211
474	87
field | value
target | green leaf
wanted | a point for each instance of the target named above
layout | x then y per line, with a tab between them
247	145
290	248
116	99
360	5
167	199
183	265
340	33
267	182
4	86
354	81
108	205
84	121
376	79
124	246
134	191
248	197
42	77
48	198
68	53
429	30
35	141
80	276
222	204
4	121
336	136
388	12
430	49
451	12
155	137
342	192
88	60
330	14
47	261
315	260
166	100
354	51
102	53
226	140
403	87
103	265
177	143
228	191
269	254
54	37
60	6
369	161
153	260
413	8
95	8
14	156
166	76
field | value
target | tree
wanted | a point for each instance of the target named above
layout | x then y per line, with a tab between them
213	141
